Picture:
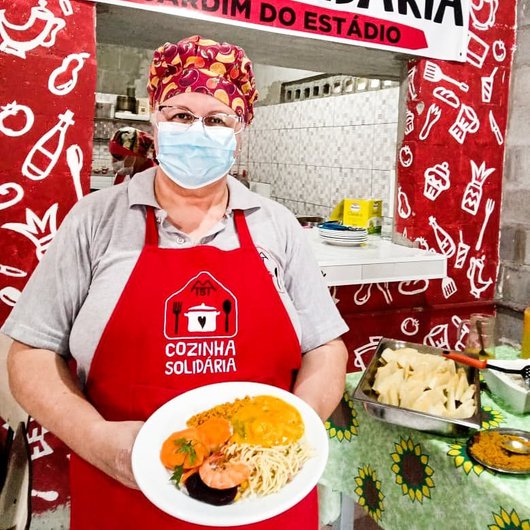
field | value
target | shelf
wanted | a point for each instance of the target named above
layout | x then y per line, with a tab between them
378	261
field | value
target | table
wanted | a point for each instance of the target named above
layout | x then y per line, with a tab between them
410	480
379	260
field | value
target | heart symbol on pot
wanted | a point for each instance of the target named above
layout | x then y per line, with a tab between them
202	321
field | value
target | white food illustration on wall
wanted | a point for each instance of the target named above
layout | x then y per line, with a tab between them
49	496
10	111
66	7
445	241
473	192
447	96
477	50
499	51
13	36
74	159
495	129
64	78
437	180
403	208
433	72
45	153
412	287
14	272
405	156
448	287
411	88
362	295
39	231
9	295
474	274
383	287
483	13
369	347
461	252
433	115
490	206
437	337
409	122
486	84
422	243
10	194
410	326
38	445
466	122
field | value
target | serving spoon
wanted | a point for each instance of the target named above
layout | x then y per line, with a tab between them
485	364
515	446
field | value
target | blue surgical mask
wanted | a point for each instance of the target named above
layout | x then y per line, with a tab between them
194	157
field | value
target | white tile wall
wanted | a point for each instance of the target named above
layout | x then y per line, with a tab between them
315	152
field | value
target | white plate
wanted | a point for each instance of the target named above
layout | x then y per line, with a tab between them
344	243
153	478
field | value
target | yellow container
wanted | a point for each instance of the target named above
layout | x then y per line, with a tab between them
366	213
525	342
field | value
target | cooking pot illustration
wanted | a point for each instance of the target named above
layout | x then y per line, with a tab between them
202	318
39	30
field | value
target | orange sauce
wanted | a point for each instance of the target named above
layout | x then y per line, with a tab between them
267	421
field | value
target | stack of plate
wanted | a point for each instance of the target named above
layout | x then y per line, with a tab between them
345	236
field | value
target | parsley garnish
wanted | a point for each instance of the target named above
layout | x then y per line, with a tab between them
177	475
186	446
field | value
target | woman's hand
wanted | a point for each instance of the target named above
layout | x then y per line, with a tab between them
39	378
111	445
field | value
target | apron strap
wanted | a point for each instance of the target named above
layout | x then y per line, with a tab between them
151	230
245	239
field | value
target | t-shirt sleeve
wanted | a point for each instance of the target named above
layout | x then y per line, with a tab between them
46	309
320	319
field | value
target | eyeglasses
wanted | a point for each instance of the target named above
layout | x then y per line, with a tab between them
218	119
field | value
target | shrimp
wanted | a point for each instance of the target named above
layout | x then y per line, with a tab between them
214	432
183	448
219	473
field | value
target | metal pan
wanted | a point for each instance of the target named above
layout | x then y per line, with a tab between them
407	417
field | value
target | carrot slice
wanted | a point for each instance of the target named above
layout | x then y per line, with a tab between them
214	432
183	448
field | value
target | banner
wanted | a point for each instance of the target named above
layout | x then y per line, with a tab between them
427	28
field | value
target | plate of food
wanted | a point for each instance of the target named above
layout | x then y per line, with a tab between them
504	450
230	454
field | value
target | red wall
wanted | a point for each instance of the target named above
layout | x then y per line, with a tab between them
448	192
36	190
40	81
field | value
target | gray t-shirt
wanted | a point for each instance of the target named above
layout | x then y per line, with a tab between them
73	291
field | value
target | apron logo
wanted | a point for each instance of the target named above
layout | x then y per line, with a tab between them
203	308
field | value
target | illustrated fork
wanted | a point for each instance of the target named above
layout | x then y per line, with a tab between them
490	206
177	308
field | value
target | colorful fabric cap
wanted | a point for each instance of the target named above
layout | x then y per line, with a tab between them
129	141
196	64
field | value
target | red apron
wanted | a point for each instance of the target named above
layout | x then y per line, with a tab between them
186	318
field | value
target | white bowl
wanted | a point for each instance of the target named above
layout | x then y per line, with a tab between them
515	395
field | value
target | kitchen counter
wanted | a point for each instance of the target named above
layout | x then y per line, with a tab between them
379	260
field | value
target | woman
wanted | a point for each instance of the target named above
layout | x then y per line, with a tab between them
118	286
132	152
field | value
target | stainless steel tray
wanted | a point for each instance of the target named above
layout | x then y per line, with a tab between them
407	417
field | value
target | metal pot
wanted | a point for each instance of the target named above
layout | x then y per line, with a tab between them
309	221
126	103
202	318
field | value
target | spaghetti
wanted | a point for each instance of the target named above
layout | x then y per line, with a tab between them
271	467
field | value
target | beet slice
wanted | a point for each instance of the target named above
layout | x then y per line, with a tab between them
200	491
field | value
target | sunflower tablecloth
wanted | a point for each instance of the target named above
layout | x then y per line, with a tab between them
410	480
